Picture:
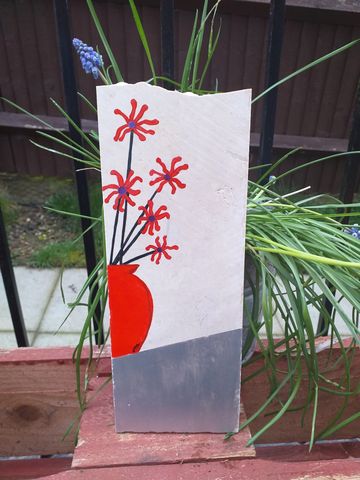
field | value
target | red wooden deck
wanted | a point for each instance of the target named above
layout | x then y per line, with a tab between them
101	454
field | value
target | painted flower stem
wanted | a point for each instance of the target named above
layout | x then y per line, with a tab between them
134	239
114	232
138	257
125	208
123	250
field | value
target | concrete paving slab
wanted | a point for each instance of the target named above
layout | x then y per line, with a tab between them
35	287
8	340
72	281
56	340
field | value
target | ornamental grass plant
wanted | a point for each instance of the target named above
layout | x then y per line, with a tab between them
304	248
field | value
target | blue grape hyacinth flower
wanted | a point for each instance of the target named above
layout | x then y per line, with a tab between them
354	231
91	61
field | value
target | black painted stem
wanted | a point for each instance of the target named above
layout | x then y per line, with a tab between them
122	251
125	208
138	257
114	232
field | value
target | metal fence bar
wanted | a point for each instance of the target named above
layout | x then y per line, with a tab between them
10	288
272	68
167	41
72	107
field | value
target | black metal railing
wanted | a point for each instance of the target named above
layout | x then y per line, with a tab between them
277	13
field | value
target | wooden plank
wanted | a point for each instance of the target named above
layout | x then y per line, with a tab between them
183	23
34	423
236	52
351	6
333	84
255	392
151	23
345	100
219	67
19	121
6	156
317	81
289	58
31	60
100	446
134	51
315	144
49	58
81	22
254	58
301	82
19	152
7	89
9	26
34	468
250	469
116	33
38	400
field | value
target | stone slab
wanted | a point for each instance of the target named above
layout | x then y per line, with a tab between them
72	281
56	340
35	287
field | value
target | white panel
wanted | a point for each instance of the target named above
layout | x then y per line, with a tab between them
199	291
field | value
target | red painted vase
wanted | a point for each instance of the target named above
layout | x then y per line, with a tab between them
131	309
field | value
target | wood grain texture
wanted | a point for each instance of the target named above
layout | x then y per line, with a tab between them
29	469
38	401
99	445
250	469
317	103
35	423
255	392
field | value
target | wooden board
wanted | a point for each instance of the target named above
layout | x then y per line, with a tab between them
34	468
38	401
255	392
100	446
251	469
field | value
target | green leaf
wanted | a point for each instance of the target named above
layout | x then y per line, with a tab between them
104	40
143	38
307	67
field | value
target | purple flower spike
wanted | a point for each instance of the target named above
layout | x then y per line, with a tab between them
354	231
91	61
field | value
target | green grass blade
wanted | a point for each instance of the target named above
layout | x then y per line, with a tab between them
143	38
307	67
88	103
76	126
104	40
199	41
189	56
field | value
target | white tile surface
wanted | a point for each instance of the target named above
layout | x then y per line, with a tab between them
198	292
35	287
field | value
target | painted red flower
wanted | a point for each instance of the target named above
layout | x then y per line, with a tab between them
167	176
160	249
152	218
133	123
122	190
